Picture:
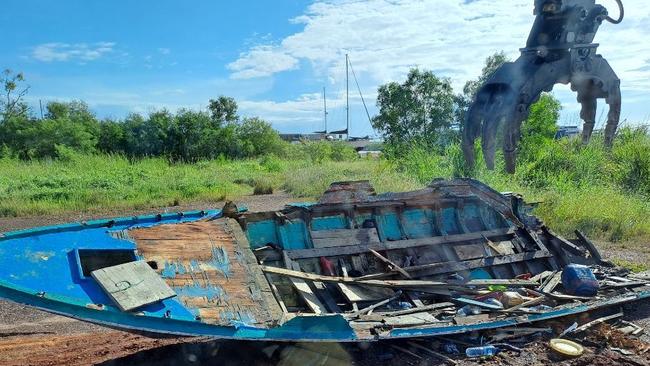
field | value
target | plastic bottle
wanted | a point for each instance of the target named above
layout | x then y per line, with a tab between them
484	351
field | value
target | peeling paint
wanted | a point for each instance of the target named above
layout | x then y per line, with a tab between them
220	260
212	293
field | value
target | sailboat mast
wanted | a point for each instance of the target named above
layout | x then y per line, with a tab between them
347	99
325	109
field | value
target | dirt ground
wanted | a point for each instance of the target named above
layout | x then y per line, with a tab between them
32	337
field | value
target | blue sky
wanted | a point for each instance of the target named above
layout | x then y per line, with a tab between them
275	57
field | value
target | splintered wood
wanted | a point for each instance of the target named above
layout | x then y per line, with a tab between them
210	266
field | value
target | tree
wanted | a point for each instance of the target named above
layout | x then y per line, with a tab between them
418	110
257	137
540	126
223	109
11	104
464	100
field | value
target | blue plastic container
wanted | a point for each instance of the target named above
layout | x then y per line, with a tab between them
579	280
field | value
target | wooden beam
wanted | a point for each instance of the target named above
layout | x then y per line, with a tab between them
595	254
459	266
390	263
392	283
440	305
399	244
374	306
303	288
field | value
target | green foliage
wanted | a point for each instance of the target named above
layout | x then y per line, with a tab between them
13	91
420	110
223	110
257	137
540	127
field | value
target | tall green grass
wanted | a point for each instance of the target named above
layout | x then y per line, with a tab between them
605	193
601	192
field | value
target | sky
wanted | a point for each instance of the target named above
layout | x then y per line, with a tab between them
275	57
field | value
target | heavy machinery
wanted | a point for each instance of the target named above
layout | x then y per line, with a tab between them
559	49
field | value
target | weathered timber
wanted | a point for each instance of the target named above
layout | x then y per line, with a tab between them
552	283
525	304
591	248
370	308
430	307
590	324
304	290
393	283
132	285
391	265
343	237
398	244
459	266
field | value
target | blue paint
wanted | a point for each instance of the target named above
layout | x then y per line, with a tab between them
172	269
211	292
449	222
417	223
472	218
261	233
220	261
329	222
388	226
293	235
24	262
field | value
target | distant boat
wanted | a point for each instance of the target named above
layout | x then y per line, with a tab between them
355	266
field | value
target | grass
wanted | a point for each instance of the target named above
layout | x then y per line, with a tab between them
603	193
83	182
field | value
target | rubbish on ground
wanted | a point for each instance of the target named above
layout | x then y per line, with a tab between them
579	280
433	353
566	347
570	329
482	351
586	326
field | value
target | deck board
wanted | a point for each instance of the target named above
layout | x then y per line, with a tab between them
212	269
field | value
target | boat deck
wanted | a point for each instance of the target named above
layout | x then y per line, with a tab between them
211	267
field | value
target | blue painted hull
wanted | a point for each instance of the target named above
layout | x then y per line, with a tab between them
40	268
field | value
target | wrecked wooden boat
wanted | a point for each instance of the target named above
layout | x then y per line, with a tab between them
454	257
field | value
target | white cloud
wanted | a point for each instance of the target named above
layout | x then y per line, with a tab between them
387	37
164	51
261	61
57	51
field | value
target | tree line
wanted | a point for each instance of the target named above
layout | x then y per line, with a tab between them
186	135
421	111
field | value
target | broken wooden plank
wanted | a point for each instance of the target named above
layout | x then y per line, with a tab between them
552	283
471	319
132	285
591	248
304	290
590	324
430	307
343	237
410	320
525	304
357	293
374	306
391	265
398	244
460	266
392	283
